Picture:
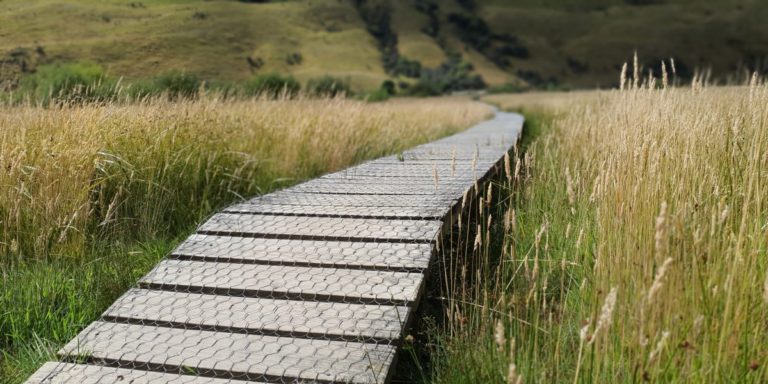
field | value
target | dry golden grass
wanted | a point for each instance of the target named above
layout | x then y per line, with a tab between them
636	248
70	171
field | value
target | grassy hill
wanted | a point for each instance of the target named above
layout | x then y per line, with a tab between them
554	42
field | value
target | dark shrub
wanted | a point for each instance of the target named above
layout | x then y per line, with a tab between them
642	2
424	88
389	87
377	16
407	68
272	85
255	63
328	86
469	5
452	75
294	58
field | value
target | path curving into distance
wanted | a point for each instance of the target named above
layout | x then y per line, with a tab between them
313	283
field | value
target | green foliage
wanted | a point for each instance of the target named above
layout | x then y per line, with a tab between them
69	82
376	95
509	87
406	67
328	86
45	304
453	75
174	84
424	88
389	87
177	84
272	85
475	32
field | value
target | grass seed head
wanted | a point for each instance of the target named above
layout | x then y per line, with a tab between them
606	315
658	280
498	336
661	227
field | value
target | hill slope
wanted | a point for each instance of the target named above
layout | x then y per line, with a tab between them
556	42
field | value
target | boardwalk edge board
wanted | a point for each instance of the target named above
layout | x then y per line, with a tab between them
318	282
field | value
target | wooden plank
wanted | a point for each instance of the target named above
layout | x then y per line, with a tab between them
321	228
276	317
441	162
61	373
431	213
340	200
373	187
428	174
286	282
232	355
320	253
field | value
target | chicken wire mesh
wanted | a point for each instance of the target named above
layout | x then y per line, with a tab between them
315	283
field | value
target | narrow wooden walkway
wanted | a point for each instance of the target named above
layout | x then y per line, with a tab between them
314	283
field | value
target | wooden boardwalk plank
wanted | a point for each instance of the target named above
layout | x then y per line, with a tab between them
61	373
432	213
286	282
232	355
322	227
320	253
429	174
369	187
327	320
340	200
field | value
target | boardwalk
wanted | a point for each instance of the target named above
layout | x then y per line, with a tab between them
313	283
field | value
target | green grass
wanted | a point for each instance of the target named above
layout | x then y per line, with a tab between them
45	304
464	350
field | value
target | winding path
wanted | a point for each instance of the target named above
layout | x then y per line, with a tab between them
314	283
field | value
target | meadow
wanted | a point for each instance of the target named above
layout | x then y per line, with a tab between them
92	195
628	243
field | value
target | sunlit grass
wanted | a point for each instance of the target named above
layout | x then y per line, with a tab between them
635	246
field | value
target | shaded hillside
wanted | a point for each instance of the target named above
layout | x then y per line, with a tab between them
545	43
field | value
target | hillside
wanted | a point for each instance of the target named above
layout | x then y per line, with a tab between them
545	43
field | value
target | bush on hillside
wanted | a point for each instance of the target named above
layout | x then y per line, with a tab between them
453	75
406	67
177	84
69	82
272	85
509	87
376	95
389	87
328	86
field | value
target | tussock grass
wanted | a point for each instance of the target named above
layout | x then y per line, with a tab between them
635	247
91	196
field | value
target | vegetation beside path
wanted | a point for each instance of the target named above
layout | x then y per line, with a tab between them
92	195
634	247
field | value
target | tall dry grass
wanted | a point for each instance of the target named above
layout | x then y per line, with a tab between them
91	196
75	171
635	247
